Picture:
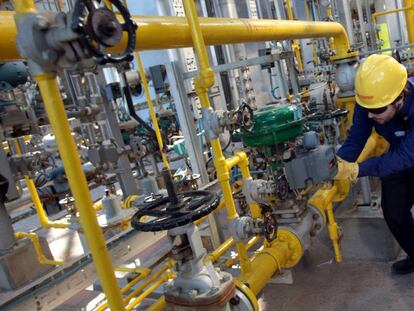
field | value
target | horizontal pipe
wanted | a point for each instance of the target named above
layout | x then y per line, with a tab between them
265	264
174	32
375	15
168	32
221	250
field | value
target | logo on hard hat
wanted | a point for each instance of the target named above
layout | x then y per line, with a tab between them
367	97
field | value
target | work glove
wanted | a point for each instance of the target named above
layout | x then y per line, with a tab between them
347	170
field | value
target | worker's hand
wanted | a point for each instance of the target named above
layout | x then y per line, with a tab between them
347	170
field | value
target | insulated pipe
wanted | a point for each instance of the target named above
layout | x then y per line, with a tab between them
168	32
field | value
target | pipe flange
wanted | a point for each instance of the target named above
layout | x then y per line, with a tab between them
294	245
320	213
244	298
318	218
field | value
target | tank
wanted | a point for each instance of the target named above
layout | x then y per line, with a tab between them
273	125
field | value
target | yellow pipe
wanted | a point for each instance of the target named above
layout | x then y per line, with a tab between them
241	159
322	200
333	230
159	305
41	214
151	109
109	4
24	6
409	17
153	278
203	82
36	244
375	15
230	262
284	252
174	32
145	272
221	250
167	276
129	200
79	187
295	44
408	14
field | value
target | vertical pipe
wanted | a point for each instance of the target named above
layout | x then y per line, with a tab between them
169	185
372	36
79	187
151	109
348	21
362	25
333	231
366	190
409	17
202	83
7	239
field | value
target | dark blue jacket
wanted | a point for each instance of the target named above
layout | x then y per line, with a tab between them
400	155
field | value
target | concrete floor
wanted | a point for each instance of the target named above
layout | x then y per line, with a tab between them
320	284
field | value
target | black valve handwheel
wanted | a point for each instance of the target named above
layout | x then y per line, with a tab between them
193	205
99	28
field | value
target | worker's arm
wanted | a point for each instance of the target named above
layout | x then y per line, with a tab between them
397	159
360	131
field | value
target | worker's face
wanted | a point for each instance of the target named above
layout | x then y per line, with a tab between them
389	113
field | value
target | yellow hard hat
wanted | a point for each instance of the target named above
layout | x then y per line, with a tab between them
379	80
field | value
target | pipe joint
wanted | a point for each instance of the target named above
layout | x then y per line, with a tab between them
223	174
205	80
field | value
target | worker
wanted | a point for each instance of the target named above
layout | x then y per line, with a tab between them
385	102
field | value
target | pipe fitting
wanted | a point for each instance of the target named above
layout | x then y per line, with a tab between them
205	80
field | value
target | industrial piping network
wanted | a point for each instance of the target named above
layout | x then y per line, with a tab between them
175	32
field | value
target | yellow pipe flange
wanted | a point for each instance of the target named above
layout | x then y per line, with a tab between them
294	245
248	292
